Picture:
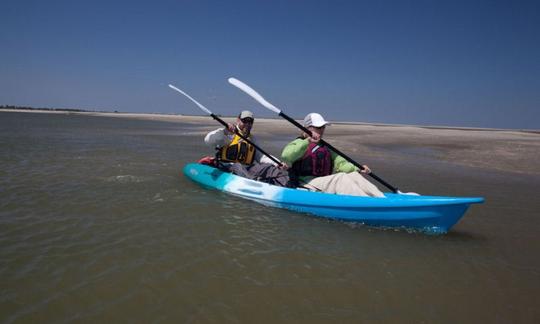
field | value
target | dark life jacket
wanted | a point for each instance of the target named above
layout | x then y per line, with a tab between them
317	161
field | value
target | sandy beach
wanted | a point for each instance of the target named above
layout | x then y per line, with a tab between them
515	151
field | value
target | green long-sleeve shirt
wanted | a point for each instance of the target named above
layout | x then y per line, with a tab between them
296	149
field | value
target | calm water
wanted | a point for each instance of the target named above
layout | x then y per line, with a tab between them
96	224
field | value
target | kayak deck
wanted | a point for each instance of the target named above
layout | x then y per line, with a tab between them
431	214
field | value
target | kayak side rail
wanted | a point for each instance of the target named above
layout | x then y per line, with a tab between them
266	192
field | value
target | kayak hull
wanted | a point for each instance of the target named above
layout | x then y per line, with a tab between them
431	214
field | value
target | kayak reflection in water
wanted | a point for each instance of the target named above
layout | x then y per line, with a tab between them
236	155
320	168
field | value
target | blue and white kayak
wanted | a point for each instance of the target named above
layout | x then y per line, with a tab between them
431	214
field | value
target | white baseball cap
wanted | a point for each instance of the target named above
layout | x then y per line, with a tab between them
246	114
315	120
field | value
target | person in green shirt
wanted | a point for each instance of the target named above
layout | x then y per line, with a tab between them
320	169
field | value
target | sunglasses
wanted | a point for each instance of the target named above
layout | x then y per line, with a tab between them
247	120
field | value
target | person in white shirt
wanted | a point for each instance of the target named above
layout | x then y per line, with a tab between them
238	156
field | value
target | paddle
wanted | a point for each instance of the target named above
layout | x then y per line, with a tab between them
248	90
222	122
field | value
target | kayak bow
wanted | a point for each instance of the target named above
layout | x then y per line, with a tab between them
430	214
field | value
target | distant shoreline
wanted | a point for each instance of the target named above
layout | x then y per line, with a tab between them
44	109
177	117
511	150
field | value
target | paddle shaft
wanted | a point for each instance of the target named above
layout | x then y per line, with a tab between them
206	110
338	152
222	122
255	95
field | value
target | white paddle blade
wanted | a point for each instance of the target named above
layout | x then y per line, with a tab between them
195	101
254	94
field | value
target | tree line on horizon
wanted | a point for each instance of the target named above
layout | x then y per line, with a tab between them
48	109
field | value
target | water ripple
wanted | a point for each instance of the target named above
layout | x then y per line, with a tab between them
97	225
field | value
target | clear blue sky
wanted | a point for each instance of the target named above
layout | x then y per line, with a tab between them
456	63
